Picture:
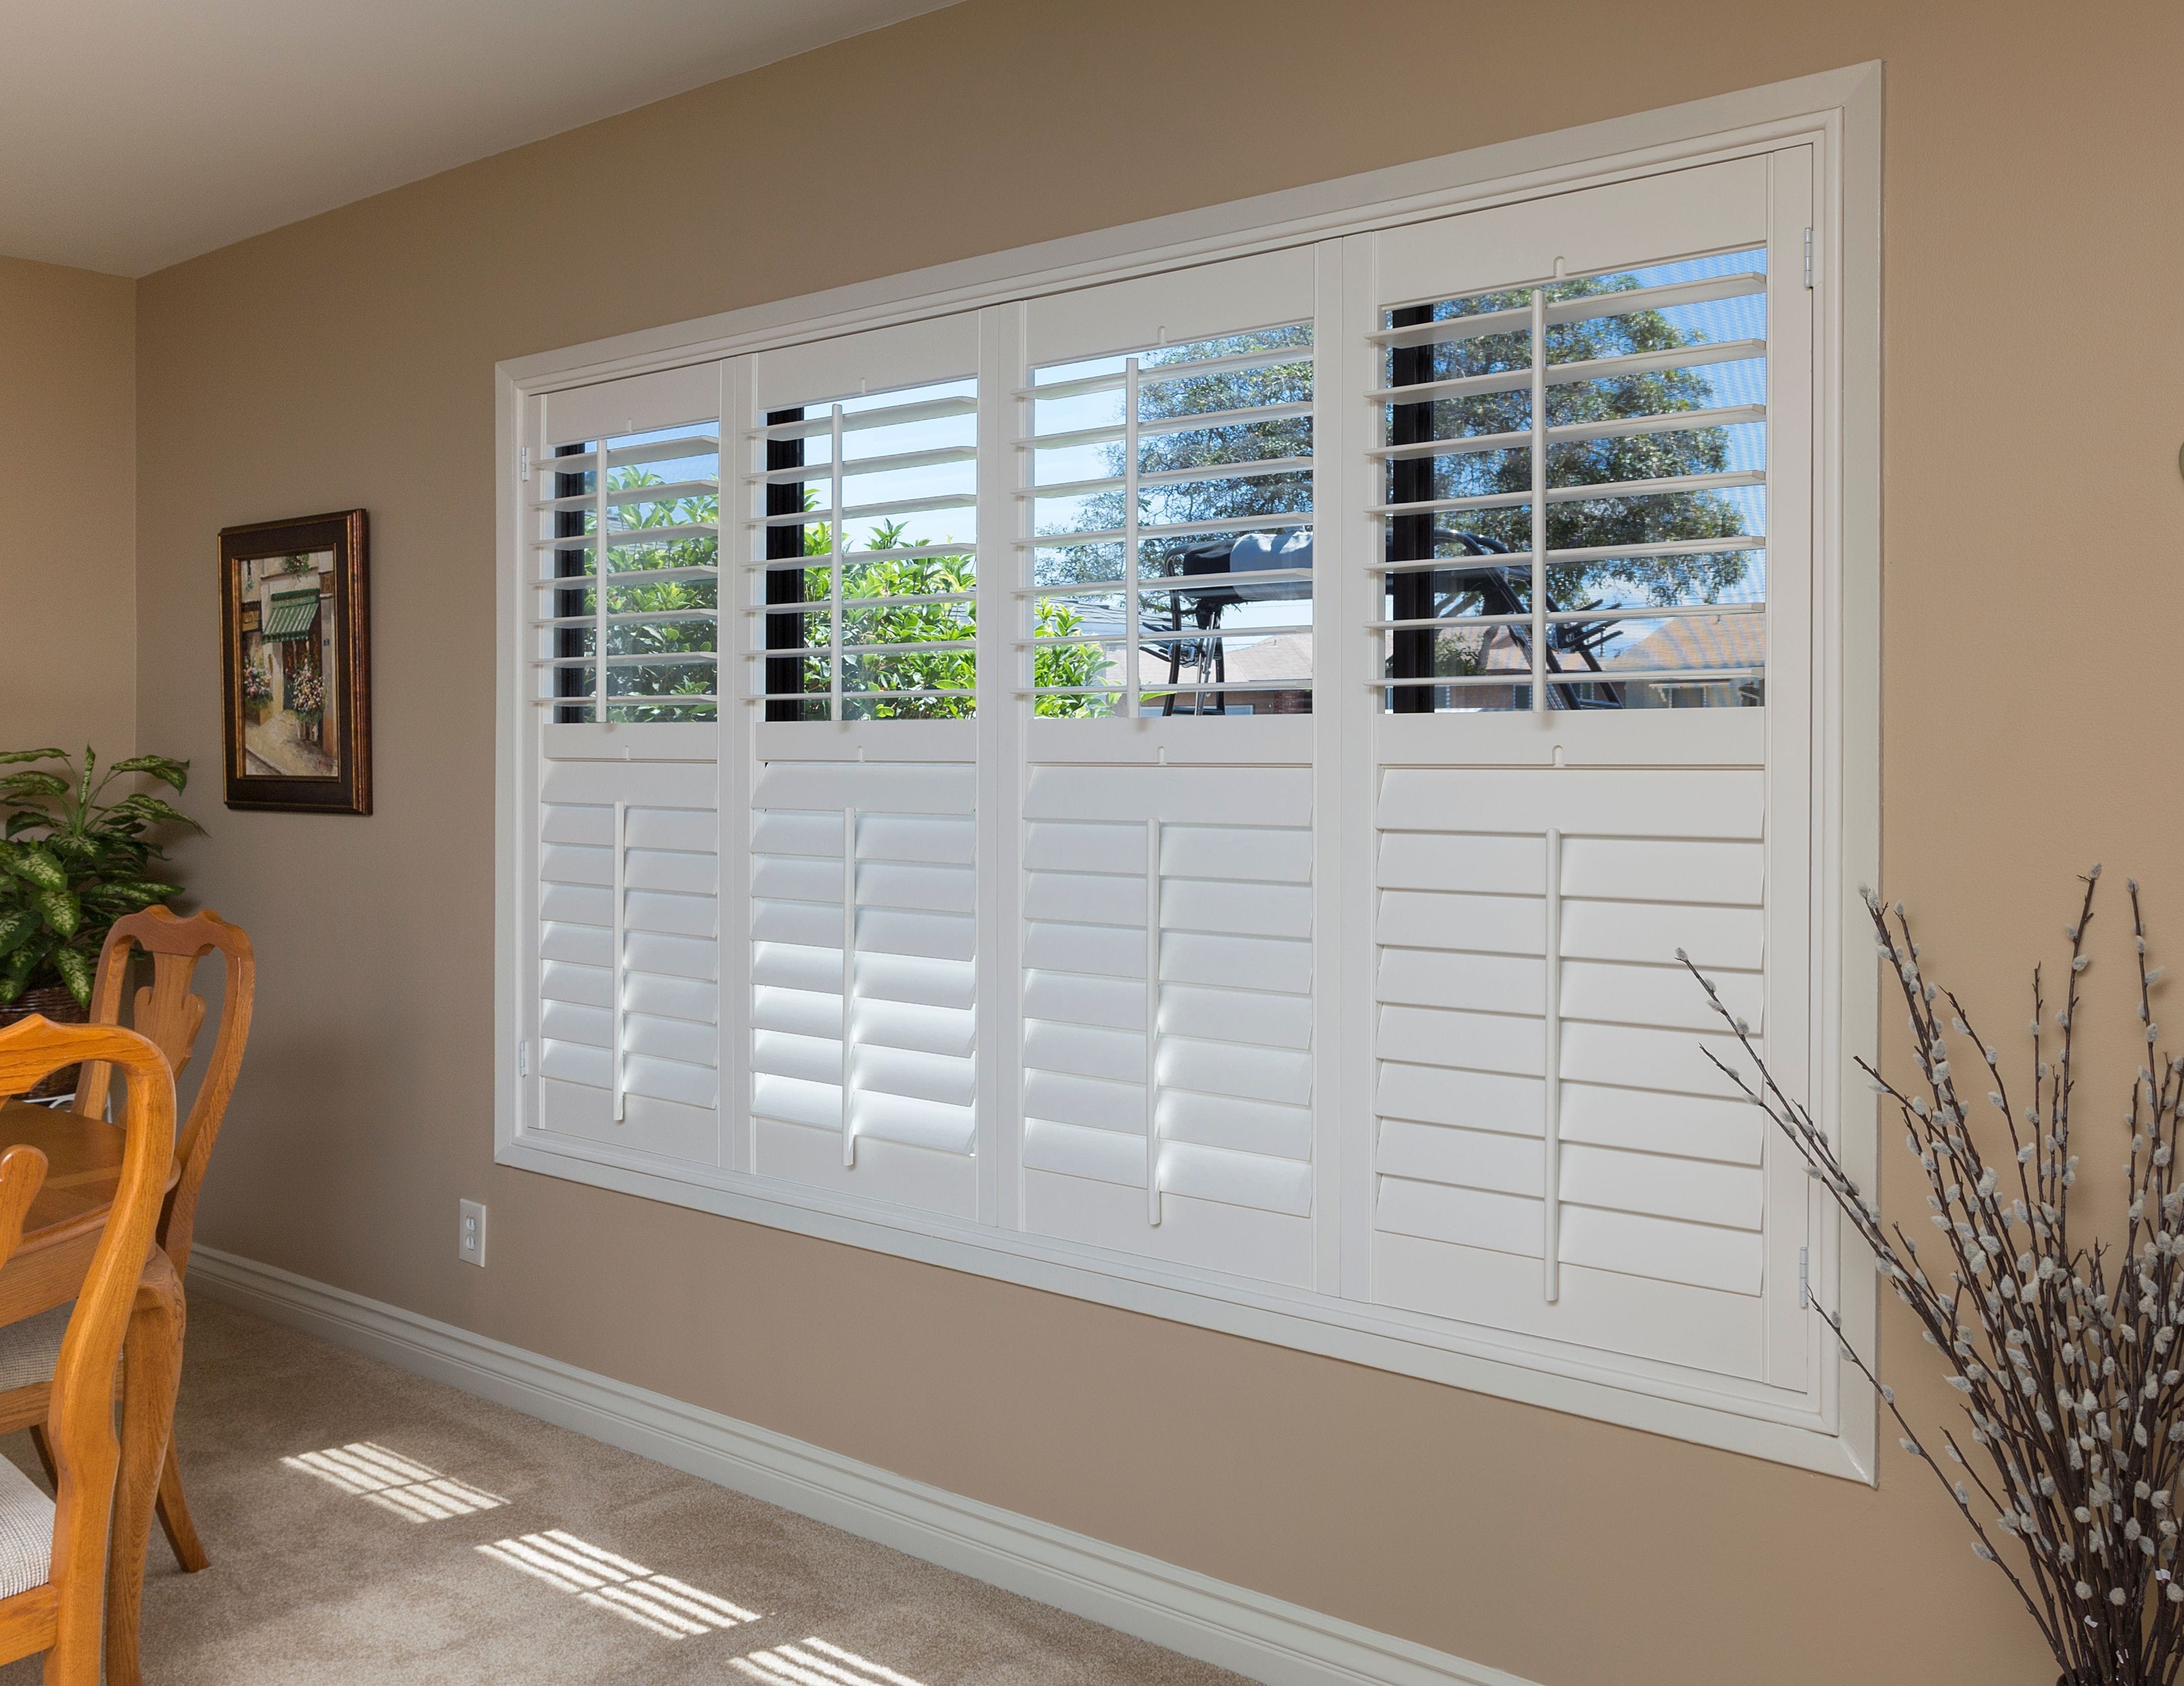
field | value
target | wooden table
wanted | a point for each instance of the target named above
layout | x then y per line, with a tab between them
83	1158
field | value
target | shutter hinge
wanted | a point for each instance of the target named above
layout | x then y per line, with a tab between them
523	452
523	1059
1808	259
1804	1278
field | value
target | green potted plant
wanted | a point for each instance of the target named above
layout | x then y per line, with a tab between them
71	864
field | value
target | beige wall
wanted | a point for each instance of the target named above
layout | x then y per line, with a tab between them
68	509
2033	378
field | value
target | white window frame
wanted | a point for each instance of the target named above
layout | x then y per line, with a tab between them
1838	113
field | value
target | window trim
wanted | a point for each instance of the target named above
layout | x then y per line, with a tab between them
1839	113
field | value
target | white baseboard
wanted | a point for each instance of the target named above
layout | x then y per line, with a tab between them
1263	1638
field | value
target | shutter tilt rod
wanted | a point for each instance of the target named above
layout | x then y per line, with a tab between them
600	651
620	886
1130	605
1550	1158
1539	504
848	976
835	583
1152	1020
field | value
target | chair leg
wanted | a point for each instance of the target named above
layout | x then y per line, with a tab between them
45	1451
175	1517
152	1368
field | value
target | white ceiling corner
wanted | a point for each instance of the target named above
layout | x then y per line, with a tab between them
138	133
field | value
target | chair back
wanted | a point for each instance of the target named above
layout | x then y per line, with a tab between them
79	1427
170	1014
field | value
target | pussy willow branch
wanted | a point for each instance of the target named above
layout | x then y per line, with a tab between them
2065	1356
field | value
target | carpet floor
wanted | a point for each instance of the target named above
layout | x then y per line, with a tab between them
366	1525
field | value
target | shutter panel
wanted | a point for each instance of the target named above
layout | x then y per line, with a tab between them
624	1005
1167	1030
864	929
1167	1009
863	1004
1578	501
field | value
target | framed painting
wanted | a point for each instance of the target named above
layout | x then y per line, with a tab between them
295	664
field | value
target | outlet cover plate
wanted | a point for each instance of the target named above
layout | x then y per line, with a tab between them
470	1243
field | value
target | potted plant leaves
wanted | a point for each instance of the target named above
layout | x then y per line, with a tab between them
71	864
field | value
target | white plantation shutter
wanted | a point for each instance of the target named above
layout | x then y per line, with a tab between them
1580	482
1202	780
1578	385
863	891
863	937
1168	1013
1167	1030
622	1034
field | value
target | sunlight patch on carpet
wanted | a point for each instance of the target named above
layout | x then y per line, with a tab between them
417	1492
660	1603
816	1663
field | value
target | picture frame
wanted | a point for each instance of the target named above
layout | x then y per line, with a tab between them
295	664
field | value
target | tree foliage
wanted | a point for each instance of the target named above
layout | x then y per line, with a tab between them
874	613
1216	444
670	643
1608	519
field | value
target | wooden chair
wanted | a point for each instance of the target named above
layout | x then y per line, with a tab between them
170	1015
54	1551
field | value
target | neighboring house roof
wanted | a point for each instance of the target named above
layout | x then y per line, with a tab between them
1697	642
1286	655
1702	642
290	617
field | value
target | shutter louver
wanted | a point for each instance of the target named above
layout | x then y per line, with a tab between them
629	955
1168	1013
863	1002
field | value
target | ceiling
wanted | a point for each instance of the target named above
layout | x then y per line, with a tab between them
136	133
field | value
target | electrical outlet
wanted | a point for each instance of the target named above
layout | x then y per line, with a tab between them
469	1242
